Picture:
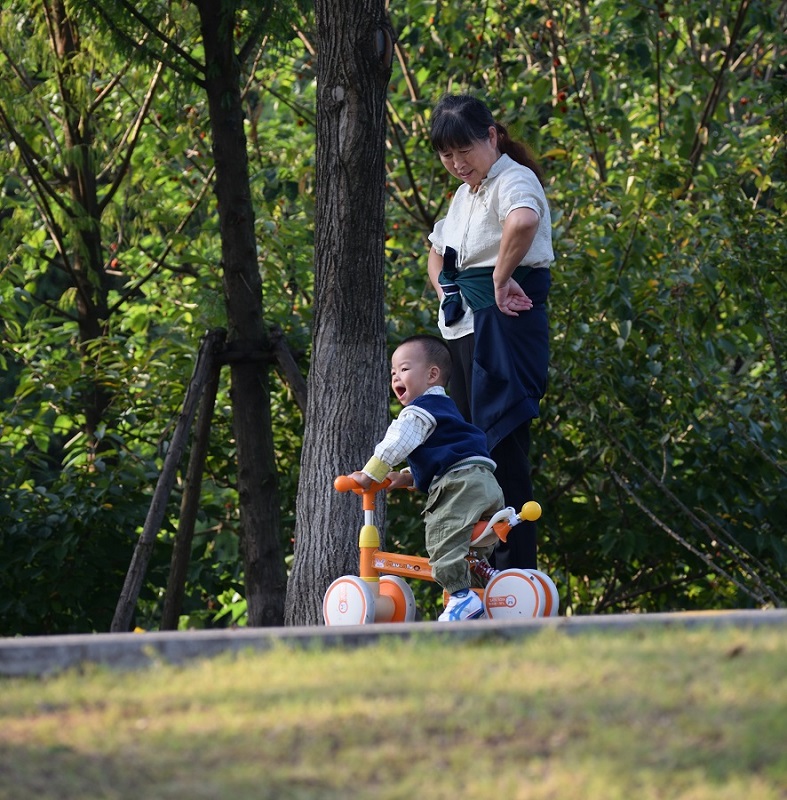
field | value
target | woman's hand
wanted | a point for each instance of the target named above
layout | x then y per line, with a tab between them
519	229
511	299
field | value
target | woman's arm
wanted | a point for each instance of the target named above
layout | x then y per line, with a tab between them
435	266
519	230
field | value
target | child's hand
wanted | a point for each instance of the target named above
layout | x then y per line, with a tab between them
400	480
362	479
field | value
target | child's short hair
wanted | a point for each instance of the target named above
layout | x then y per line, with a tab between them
437	353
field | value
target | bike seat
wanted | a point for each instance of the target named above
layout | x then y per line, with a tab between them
484	533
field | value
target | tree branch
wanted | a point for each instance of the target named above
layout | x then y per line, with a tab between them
132	139
713	99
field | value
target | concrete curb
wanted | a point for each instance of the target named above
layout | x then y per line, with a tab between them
47	655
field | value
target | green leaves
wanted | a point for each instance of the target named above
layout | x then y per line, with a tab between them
657	335
658	457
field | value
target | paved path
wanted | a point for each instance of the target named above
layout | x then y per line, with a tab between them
45	655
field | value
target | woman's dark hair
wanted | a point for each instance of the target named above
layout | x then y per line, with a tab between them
460	120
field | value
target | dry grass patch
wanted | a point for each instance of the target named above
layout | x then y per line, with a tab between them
648	714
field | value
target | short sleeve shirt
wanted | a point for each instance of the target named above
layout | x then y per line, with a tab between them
474	225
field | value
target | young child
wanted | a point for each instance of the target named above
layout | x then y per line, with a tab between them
448	459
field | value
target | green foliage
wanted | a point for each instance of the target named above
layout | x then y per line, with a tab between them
160	261
658	458
659	454
64	545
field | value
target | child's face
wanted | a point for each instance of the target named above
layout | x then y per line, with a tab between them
411	375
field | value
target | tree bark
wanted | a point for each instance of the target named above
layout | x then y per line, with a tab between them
347	385
260	516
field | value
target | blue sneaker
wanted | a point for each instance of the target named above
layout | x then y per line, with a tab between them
463	604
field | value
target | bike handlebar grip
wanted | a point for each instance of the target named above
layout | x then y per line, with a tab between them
344	483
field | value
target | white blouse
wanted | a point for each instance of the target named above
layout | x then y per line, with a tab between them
474	226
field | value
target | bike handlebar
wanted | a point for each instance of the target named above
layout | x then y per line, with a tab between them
344	483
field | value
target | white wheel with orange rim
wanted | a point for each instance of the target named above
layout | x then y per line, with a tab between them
402	595
550	590
348	601
514	594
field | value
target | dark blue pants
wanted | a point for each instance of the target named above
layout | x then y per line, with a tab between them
511	456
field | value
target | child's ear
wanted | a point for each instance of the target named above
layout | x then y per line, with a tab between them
434	374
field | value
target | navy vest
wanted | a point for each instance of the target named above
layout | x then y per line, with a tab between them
452	441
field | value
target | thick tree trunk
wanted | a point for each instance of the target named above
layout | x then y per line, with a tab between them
348	385
257	482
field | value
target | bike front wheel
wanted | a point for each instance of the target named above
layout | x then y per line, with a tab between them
402	595
348	601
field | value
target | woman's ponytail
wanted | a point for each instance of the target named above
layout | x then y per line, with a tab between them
519	151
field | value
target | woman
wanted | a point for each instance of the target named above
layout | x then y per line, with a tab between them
489	264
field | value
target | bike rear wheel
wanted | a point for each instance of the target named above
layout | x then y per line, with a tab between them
514	594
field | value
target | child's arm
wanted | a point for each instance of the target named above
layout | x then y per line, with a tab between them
362	479
410	429
401	480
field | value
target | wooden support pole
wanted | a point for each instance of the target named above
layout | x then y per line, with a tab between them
287	368
189	505
124	612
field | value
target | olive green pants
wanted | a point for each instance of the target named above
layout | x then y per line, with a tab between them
456	501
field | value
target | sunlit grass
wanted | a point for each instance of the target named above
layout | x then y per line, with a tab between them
672	714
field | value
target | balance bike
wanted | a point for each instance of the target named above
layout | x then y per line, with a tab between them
380	593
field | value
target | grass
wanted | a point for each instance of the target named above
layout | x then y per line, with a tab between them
674	714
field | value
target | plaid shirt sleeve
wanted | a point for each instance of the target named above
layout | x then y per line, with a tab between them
409	430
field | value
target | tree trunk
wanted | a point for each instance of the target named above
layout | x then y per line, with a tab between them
260	524
348	386
84	264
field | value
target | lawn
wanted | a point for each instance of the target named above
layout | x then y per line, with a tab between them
634	714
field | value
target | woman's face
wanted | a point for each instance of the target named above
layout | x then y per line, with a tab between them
472	163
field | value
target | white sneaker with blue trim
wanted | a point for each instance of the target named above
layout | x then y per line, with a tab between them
464	604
